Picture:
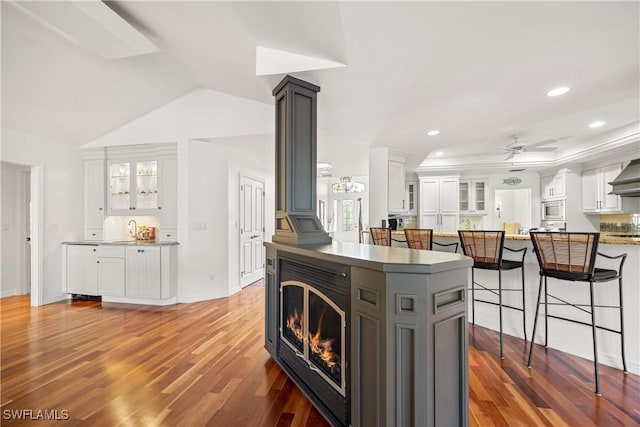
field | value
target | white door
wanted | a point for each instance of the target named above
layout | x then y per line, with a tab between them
251	230
429	203
345	212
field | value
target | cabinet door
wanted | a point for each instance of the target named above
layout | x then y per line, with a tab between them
546	187
411	195
464	196
111	276
559	184
449	196
609	202
429	196
119	196
94	207
590	191
168	193
449	223
146	187
396	187
142	278
479	196
82	269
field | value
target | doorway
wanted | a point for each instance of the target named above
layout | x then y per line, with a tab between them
16	230
512	206
251	230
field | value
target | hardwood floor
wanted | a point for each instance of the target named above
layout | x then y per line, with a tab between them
204	364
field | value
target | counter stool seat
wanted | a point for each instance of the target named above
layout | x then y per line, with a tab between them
422	238
486	248
572	257
380	236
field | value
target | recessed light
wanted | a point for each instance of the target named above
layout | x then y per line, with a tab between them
438	153
322	165
596	124
433	132
558	91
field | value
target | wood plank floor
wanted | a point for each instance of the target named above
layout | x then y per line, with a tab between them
204	364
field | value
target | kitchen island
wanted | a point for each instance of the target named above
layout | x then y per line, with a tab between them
125	271
397	323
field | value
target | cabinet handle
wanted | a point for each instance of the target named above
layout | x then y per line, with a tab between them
94	250
159	207
99	209
168	235
97	262
403	204
133	208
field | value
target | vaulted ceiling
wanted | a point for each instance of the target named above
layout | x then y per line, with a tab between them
476	71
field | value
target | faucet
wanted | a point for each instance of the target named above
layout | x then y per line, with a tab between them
135	228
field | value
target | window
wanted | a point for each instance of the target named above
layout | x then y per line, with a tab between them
348	223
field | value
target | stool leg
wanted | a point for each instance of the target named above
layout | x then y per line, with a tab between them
535	324
595	344
624	362
524	310
546	319
500	308
473	297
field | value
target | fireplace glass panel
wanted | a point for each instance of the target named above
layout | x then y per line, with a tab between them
293	315
325	337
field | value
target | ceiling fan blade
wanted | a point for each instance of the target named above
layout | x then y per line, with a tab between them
546	141
510	156
539	149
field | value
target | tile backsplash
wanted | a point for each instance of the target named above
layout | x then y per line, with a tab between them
620	223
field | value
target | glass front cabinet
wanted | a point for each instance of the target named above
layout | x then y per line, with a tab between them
133	187
473	196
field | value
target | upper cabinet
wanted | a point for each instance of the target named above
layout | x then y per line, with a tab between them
553	187
396	193
133	186
439	203
411	197
473	196
595	189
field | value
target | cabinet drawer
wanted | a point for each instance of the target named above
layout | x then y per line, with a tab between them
167	235
93	234
109	251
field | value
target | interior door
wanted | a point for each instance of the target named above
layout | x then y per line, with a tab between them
251	230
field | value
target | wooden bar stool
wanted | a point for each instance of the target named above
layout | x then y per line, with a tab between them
380	236
486	247
422	238
572	257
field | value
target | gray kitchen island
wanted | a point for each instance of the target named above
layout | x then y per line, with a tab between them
373	335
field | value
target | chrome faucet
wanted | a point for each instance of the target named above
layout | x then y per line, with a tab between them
135	228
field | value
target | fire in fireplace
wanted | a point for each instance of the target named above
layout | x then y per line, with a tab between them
314	330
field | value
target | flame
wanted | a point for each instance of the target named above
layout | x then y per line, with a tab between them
295	324
323	347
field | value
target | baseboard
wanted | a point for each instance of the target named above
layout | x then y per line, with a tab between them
55	298
9	293
140	301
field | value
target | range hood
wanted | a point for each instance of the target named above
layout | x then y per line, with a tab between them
627	184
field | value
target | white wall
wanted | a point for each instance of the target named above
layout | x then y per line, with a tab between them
209	252
529	180
15	196
61	167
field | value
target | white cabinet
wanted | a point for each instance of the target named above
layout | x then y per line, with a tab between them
94	202
143	272
473	196
82	269
439	203
133	187
411	197
553	187
111	279
396	192
595	189
168	195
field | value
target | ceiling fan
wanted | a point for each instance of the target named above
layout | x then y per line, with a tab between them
518	148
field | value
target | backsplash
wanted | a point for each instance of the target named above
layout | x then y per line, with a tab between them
117	227
621	223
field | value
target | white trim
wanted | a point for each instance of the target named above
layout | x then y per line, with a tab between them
37	243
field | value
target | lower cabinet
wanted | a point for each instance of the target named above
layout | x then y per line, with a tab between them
143	271
82	269
123	273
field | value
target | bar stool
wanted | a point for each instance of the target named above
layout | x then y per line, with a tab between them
422	238
486	247
572	257
380	236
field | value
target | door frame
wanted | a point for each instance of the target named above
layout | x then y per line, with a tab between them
240	212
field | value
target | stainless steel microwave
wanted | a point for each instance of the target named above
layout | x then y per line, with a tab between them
553	210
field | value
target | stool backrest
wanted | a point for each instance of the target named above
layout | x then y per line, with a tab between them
380	236
419	238
570	253
485	247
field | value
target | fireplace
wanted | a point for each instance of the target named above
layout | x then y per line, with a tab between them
314	332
